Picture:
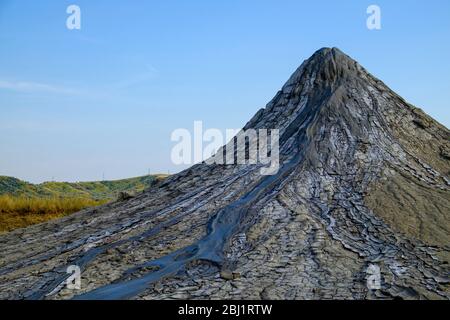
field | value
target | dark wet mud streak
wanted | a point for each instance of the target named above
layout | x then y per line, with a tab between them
220	229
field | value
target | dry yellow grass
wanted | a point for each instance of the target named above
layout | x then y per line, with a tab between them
20	212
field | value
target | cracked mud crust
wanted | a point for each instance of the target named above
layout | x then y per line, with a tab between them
364	179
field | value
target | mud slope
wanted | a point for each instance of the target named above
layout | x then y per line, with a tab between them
364	180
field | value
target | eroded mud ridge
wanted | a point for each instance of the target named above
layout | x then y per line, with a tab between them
364	180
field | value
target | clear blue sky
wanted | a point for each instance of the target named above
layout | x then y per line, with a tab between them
104	99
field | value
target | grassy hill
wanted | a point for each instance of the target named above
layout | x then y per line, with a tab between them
97	190
23	203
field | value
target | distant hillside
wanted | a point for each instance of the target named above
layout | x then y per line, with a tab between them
98	190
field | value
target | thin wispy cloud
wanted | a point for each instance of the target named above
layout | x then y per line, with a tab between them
89	40
148	74
35	87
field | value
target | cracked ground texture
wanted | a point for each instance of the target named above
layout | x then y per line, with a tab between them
363	180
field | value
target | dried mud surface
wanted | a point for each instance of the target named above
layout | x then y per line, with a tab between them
364	179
